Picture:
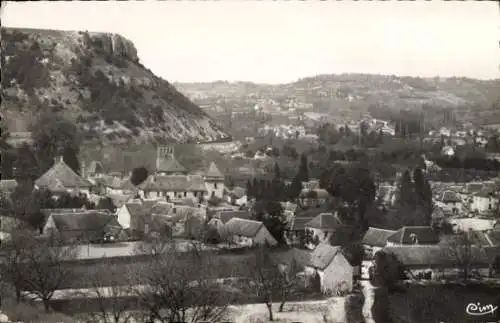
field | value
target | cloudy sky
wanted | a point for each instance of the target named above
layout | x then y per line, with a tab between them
282	41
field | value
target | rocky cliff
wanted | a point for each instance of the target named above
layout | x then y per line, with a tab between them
98	80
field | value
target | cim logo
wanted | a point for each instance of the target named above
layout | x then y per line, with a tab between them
476	309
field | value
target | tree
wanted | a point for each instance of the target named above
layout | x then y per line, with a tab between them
462	252
303	172
287	281
265	277
26	165
406	192
353	186
52	134
13	271
386	270
294	189
277	172
423	193
113	303
70	157
271	214
44	269
139	175
180	287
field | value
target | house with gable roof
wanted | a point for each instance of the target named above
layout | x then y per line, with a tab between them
60	178
246	232
327	225
375	239
413	236
333	268
214	182
133	217
87	225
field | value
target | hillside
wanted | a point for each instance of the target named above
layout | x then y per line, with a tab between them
97	80
334	92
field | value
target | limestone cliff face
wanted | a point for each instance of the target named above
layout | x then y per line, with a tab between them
98	80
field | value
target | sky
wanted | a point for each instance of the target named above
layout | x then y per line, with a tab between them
282	41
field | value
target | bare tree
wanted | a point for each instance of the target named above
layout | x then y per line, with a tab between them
180	286
287	281
12	268
111	292
266	277
45	270
461	251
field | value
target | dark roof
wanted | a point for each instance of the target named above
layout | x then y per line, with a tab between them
425	235
213	172
83	221
377	237
472	188
61	176
450	197
8	185
323	255
437	256
485	192
299	223
138	209
325	221
170	165
243	227
311	212
225	216
301	256
161	208
174	183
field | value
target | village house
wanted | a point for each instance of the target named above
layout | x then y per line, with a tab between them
7	186
60	178
474	224
450	202
413	235
214	182
335	272
375	239
438	262
313	197
133	217
8	224
172	181
90	225
484	201
325	226
244	232
237	196
221	218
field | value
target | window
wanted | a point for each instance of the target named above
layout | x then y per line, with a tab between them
326	234
215	185
174	210
185	194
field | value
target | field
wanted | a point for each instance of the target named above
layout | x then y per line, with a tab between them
443	303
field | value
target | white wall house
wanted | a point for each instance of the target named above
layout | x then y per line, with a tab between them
214	182
483	202
335	272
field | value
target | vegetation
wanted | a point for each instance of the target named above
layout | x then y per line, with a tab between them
37	265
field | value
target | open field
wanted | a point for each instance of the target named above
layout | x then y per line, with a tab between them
444	303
